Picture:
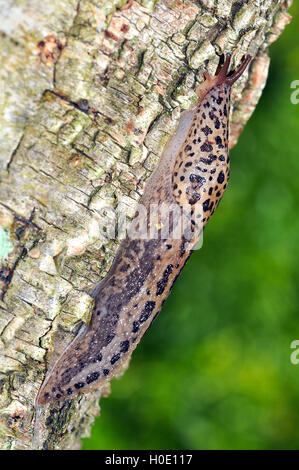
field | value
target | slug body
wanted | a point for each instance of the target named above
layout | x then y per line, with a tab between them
190	179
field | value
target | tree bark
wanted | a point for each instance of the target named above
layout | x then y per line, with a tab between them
90	93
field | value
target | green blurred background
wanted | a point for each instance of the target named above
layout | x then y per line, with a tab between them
214	370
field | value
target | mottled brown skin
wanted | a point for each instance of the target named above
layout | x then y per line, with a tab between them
191	177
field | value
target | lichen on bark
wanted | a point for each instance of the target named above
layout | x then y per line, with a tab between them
90	93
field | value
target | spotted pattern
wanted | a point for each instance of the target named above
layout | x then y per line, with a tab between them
201	170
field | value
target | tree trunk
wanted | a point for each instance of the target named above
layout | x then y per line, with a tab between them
90	93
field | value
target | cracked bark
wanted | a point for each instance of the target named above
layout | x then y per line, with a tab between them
90	92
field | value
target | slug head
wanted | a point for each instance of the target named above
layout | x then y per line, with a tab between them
222	77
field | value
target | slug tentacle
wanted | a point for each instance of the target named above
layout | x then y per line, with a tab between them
222	70
231	79
185	190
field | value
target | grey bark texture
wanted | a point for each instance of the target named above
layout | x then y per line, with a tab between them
90	92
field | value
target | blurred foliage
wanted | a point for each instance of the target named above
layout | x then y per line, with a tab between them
214	371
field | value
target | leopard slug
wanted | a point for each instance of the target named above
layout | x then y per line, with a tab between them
193	173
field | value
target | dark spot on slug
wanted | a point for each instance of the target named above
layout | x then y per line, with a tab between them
183	246
109	338
206	130
205	205
115	358
79	385
92	377
106	372
197	178
98	358
220	178
135	327
124	346
147	311
163	282
206	147
194	198
209	159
